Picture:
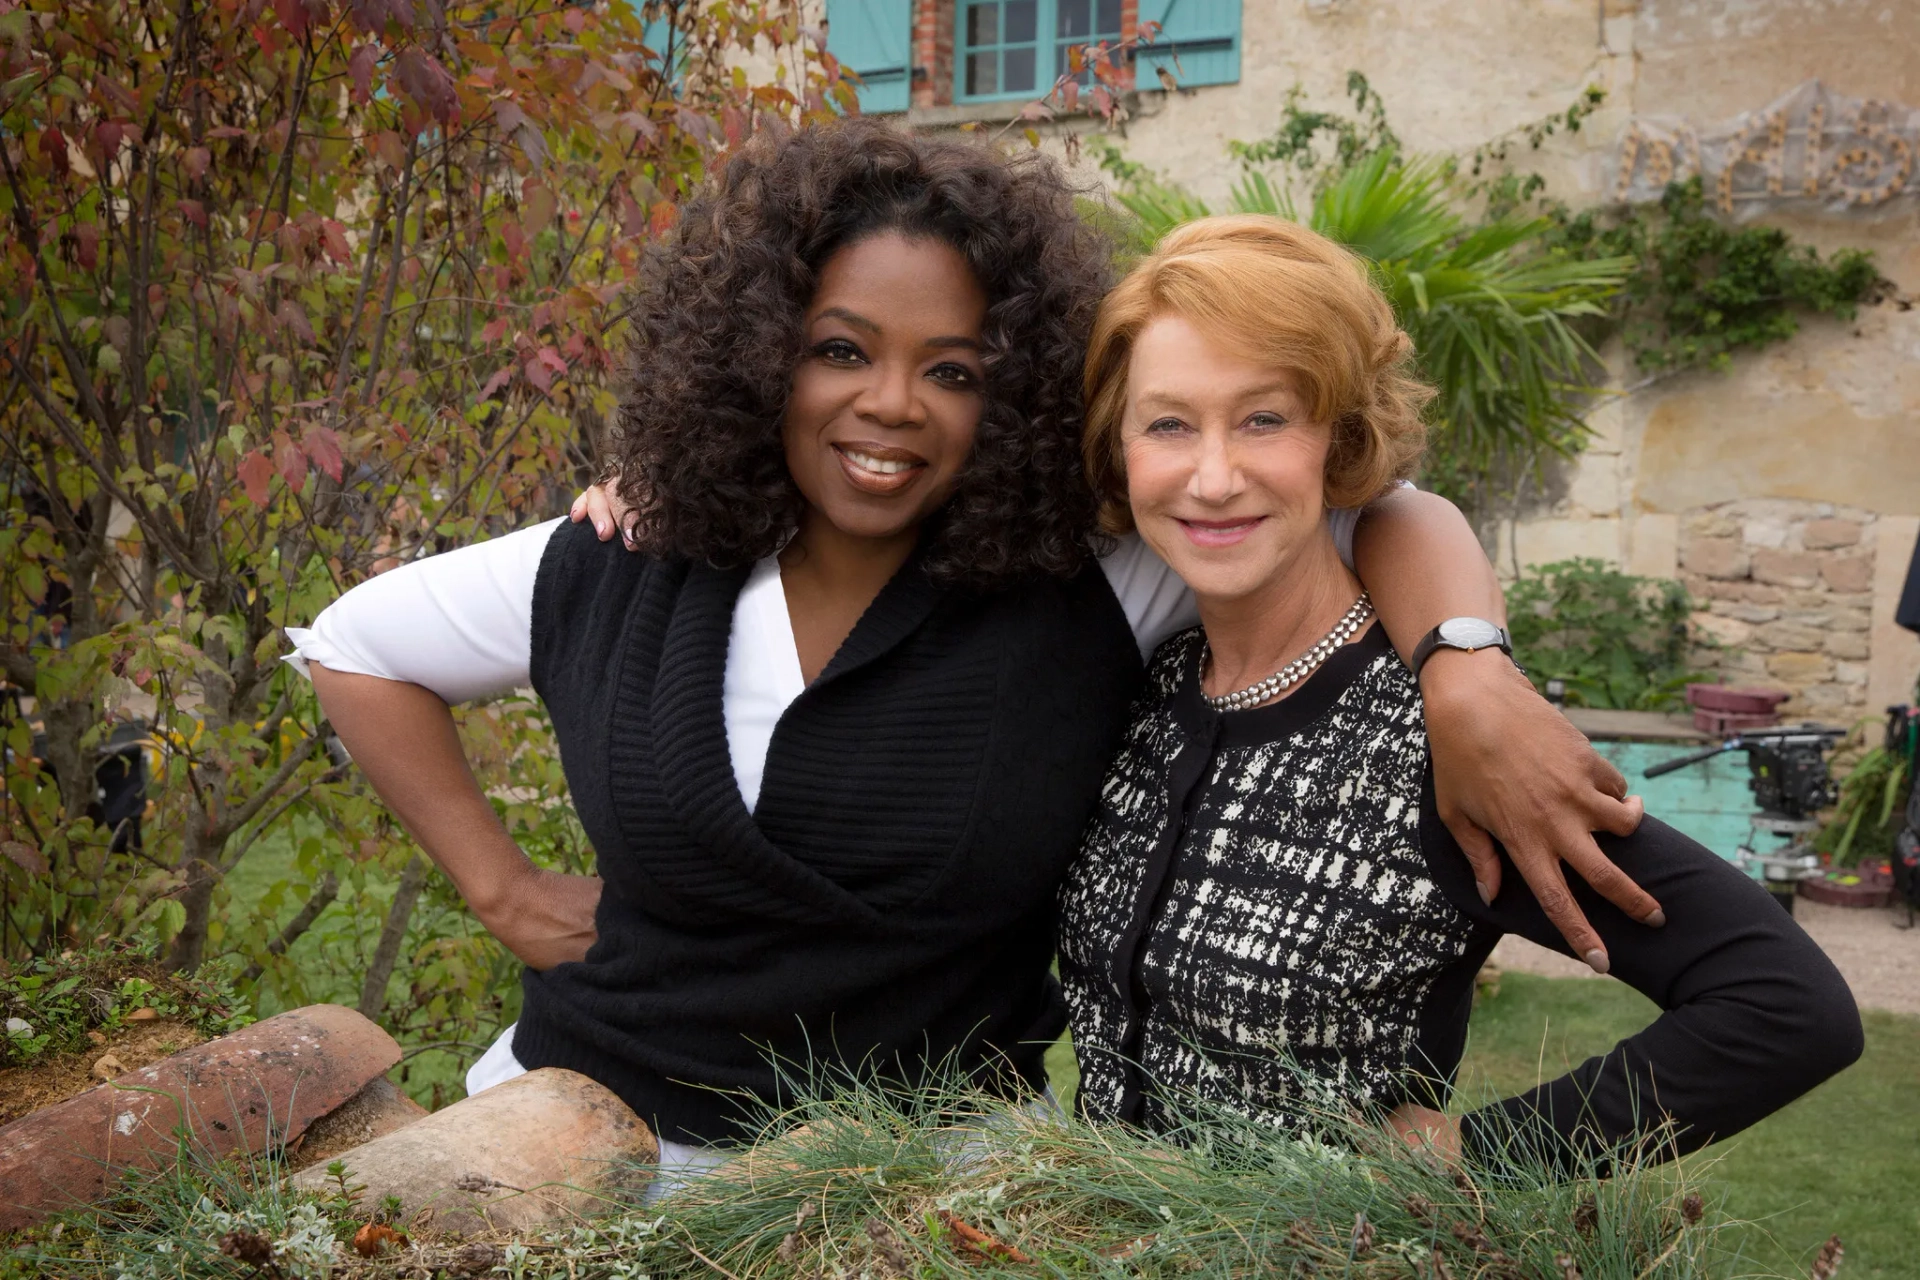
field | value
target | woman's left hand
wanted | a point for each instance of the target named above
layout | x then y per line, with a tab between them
1506	762
1425	1129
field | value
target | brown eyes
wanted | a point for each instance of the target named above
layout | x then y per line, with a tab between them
839	351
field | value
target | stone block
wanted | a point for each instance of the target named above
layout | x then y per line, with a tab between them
1847	644
1847	573
1760	593
1824	535
1764	533
1749	613
1828	698
1850	619
1538	542
1744	666
262	1084
1786	568
1800	669
542	1147
1655	549
1722	630
1594	485
1709	524
1789	636
1715	557
1850	672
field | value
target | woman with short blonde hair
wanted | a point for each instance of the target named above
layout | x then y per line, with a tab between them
1267	913
1288	298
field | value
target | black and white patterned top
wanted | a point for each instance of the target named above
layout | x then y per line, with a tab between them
1264	900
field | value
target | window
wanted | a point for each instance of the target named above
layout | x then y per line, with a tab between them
1016	48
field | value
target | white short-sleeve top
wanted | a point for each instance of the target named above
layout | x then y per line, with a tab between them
461	624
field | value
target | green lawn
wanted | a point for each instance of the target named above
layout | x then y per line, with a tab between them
1844	1159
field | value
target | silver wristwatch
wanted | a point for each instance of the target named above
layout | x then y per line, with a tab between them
1461	633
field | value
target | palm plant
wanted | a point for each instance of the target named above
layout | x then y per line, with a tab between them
1495	316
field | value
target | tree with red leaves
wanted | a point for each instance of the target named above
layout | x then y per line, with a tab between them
292	290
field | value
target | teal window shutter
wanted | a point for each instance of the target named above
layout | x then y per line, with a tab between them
1203	34
874	39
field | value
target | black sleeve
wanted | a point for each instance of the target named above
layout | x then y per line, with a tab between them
1754	1013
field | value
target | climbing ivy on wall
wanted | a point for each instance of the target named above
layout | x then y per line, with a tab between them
1703	289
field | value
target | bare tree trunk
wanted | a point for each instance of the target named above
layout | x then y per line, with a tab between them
373	992
201	867
66	723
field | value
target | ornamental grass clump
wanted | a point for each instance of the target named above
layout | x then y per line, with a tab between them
863	1185
870	1184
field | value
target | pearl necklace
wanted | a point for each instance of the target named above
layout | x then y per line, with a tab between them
1297	670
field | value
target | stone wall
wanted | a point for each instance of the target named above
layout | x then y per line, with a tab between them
1785	596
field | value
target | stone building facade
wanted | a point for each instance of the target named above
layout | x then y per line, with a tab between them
1786	491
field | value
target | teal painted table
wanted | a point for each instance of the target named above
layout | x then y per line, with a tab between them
1710	801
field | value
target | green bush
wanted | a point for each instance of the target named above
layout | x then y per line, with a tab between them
1617	640
1869	813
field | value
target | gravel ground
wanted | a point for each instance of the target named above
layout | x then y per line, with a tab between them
1880	962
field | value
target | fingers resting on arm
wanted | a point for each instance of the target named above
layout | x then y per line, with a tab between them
1507	765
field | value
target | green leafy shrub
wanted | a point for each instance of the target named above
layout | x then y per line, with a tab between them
50	1003
1869	814
1617	640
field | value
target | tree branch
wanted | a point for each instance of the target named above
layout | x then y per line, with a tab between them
323	895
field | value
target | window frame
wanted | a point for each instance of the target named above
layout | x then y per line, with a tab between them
1046	40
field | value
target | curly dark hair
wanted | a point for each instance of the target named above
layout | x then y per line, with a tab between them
718	333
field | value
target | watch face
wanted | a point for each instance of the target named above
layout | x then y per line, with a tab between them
1469	633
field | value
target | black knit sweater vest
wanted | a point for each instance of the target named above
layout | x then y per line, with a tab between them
889	903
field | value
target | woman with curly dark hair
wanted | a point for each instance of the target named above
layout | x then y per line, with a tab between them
835	730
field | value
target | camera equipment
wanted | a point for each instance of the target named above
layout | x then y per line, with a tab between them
1788	774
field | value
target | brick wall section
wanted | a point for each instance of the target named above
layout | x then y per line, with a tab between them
925	49
933	53
1785	588
1129	23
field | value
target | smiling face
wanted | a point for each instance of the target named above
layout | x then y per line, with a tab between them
1225	471
888	396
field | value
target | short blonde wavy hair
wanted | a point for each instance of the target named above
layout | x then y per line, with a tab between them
1288	298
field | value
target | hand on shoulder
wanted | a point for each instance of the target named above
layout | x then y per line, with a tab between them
602	507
